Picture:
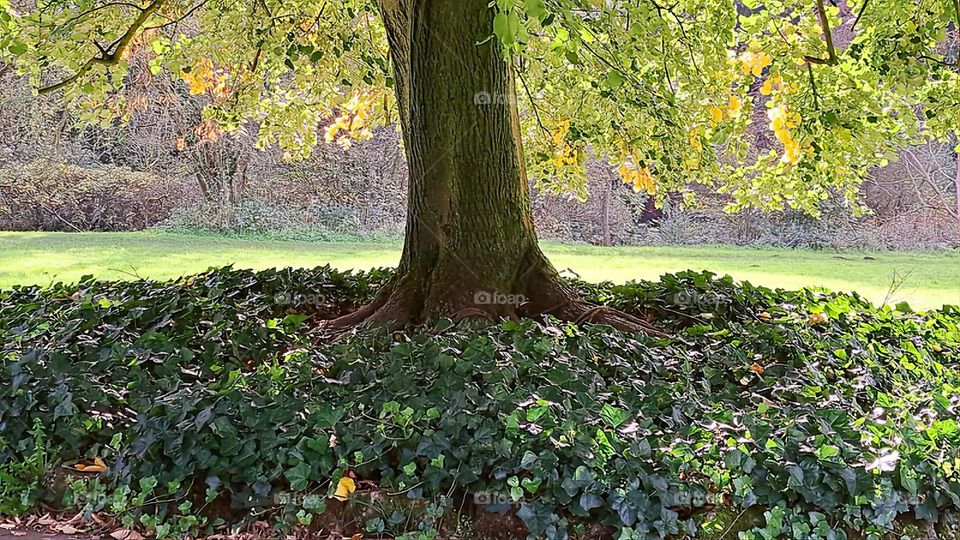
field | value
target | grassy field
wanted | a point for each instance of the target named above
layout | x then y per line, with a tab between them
928	279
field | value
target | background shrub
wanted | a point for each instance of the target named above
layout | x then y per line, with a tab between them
46	196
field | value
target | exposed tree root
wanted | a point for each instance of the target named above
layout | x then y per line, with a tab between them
579	312
551	296
401	303
388	309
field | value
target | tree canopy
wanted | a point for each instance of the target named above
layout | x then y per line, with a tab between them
665	91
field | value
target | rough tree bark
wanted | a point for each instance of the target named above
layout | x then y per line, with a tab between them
470	247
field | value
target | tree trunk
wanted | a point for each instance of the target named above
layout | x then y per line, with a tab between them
956	174
605	211
470	248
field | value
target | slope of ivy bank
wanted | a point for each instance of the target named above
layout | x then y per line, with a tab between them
182	407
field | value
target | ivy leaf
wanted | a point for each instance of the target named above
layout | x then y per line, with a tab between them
298	476
536	517
614	416
589	501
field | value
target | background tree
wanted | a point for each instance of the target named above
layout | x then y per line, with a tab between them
664	91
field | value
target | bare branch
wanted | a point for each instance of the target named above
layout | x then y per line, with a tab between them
856	21
533	103
187	14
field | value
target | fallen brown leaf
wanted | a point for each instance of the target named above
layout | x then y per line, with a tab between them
126	534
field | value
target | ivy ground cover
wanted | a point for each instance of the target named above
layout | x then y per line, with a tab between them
211	402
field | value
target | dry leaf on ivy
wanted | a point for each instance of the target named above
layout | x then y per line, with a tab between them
98	466
345	487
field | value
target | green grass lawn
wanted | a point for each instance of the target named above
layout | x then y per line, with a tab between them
929	279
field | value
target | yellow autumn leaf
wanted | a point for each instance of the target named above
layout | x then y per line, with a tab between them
222	88
98	466
734	105
639	177
560	133
767	88
694	137
340	123
200	76
351	125
345	487
755	62
783	136
757	368
716	114
791	152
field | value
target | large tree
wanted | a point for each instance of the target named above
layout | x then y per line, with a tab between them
666	91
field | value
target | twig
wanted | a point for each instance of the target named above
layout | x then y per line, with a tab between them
896	283
860	14
189	12
61	218
533	104
733	523
827	36
813	86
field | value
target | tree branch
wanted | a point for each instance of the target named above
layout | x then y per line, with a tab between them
83	14
108	58
533	104
956	11
827	36
813	86
856	21
187	14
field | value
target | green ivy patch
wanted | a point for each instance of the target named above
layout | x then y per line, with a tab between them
829	415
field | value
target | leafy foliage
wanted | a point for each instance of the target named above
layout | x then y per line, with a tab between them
665	91
829	413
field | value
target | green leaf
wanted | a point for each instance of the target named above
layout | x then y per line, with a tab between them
298	476
536	9
17	48
614	80
501	28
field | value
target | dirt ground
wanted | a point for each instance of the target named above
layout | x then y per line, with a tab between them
28	535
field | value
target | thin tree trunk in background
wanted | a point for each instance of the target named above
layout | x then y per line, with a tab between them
956	178
605	212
